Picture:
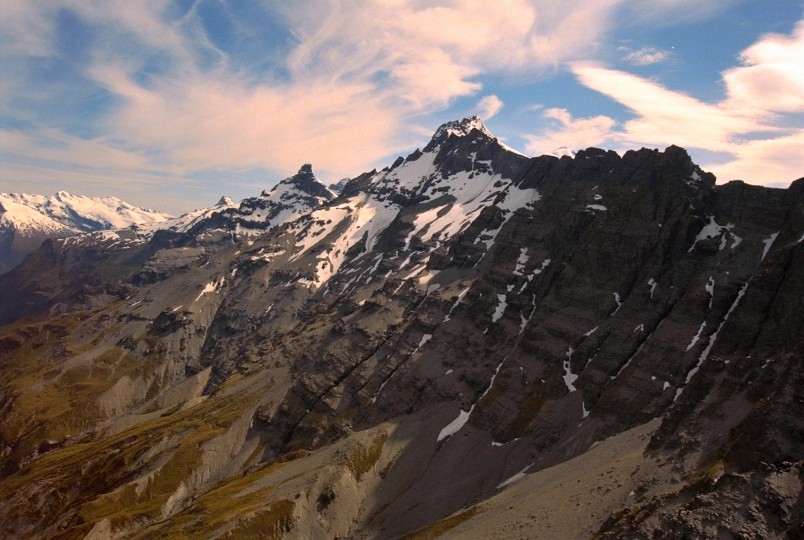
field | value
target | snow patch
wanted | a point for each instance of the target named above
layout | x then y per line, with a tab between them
498	312
697	336
618	301
518	476
710	289
768	243
455	426
569	376
521	261
536	272
211	288
653	285
712	230
712	340
458	300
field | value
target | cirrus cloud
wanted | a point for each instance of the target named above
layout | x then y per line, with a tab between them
150	89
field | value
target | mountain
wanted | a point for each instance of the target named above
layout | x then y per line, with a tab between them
467	343
338	186
27	220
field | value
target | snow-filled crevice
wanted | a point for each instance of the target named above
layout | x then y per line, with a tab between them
425	338
515	478
712	339
535	272
768	243
463	416
697	336
502	303
455	305
569	377
618	301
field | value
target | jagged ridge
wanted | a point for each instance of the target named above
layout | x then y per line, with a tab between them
456	322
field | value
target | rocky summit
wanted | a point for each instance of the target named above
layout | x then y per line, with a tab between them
469	343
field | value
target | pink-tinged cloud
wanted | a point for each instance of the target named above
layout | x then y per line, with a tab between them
776	161
770	78
563	133
205	123
751	123
489	106
663	116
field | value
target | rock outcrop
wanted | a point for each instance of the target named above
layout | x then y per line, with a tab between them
395	358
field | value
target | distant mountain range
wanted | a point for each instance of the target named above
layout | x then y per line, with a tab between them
27	220
467	343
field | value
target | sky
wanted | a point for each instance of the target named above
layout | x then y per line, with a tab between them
172	104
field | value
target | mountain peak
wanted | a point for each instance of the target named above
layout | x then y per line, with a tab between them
461	128
305	181
306	170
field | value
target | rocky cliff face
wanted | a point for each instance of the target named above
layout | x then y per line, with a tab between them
399	358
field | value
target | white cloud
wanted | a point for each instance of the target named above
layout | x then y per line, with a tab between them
770	77
209	122
751	123
564	133
771	162
358	70
489	106
356	74
647	56
664	116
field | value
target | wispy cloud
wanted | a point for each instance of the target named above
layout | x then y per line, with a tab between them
749	124
563	132
647	56
149	89
353	76
489	106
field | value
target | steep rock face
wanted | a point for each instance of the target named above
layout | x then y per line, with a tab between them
443	327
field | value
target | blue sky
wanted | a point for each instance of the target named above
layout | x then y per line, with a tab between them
171	104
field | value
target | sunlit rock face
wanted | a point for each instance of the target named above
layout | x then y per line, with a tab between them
447	345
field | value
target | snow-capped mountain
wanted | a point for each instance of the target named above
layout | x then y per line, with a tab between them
27	220
468	342
288	200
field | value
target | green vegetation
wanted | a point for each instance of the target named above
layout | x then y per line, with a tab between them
84	473
270	524
363	458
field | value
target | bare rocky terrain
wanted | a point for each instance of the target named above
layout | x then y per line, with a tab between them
469	343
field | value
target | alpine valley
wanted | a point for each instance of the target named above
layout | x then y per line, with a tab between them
469	343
